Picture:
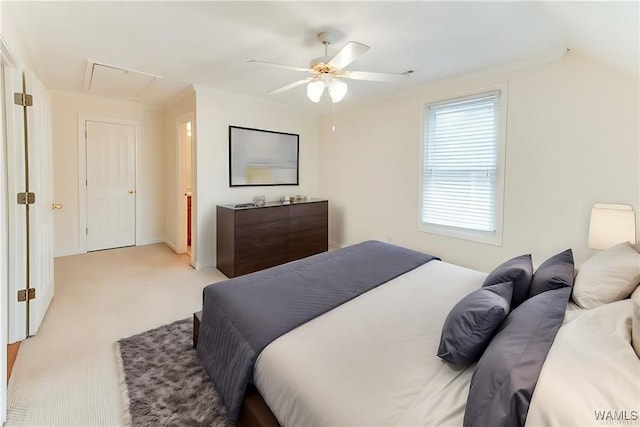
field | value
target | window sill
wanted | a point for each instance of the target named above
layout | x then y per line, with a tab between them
489	238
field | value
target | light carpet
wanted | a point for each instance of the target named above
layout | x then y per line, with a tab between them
67	375
165	383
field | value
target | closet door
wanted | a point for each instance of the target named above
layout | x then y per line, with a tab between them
29	188
40	172
17	213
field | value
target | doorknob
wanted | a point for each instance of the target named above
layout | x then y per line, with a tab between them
132	191
55	206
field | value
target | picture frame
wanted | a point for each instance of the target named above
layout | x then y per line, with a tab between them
259	157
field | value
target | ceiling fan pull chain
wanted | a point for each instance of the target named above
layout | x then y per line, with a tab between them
333	117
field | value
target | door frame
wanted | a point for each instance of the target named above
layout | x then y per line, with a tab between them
82	174
181	218
9	59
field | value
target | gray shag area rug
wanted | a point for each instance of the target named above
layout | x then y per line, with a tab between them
164	383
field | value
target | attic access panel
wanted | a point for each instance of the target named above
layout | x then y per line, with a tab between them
116	81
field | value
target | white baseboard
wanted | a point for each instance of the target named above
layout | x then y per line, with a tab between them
336	245
149	241
200	265
171	245
77	251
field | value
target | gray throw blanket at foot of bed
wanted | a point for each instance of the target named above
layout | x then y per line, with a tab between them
243	315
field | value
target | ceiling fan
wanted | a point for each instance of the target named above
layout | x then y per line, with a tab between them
328	72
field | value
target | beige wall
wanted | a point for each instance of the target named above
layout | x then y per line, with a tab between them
150	165
13	39
215	111
181	106
572	140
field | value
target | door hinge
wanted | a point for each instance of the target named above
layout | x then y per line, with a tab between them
86	231
26	198
23	99
24	293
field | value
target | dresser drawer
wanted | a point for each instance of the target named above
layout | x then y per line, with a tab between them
262	215
253	244
310	223
257	263
306	243
309	209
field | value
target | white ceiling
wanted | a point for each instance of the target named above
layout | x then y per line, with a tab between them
208	43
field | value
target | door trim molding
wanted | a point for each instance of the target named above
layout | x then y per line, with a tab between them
6	59
82	173
181	206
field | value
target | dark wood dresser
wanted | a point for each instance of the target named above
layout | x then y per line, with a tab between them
254	238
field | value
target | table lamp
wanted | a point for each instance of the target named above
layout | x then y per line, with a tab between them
611	224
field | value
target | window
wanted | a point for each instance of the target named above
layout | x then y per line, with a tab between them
463	152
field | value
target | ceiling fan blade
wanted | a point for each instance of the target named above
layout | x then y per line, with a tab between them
290	86
288	67
349	53
374	77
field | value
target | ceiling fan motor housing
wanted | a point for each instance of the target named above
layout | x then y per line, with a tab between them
326	38
320	60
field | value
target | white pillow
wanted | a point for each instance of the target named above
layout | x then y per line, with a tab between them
635	322
608	276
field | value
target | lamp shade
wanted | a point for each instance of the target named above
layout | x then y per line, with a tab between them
315	89
611	224
337	90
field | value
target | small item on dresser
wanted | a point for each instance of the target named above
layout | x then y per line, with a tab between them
285	199
258	200
243	205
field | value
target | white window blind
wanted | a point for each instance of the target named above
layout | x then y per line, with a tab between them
461	163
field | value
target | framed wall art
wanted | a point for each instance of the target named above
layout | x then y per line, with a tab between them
260	157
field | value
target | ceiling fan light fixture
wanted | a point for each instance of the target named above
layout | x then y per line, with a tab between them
315	89
337	90
328	72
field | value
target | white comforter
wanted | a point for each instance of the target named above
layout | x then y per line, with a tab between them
372	361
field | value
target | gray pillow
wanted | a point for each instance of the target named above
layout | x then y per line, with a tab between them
518	270
472	322
555	273
506	375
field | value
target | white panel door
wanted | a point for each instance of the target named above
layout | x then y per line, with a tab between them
40	172
29	159
111	198
17	214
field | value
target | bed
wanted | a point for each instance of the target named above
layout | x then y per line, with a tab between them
372	359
